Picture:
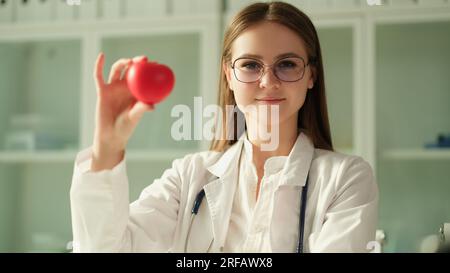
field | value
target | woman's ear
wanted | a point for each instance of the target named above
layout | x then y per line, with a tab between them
310	84
227	71
312	78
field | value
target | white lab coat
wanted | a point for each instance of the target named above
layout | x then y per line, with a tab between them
341	214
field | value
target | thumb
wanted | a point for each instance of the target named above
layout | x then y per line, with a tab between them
138	110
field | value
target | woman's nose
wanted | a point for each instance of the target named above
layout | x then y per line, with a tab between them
269	80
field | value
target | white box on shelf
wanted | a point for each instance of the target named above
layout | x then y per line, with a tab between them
145	8
6	11
196	6
372	3
87	10
21	140
27	140
34	10
64	10
111	9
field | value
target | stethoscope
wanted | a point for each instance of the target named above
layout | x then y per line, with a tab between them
199	198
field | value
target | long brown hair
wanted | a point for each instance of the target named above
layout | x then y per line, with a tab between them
313	115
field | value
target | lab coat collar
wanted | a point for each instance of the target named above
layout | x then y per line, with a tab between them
294	171
223	165
220	193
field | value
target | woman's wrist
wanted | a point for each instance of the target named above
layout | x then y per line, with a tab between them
106	157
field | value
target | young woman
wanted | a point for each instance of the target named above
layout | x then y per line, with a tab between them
298	196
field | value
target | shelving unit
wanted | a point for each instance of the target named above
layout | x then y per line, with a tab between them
186	41
413	91
37	112
377	96
418	154
32	103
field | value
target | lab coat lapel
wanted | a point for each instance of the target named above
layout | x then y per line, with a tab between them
201	235
296	169
220	193
284	228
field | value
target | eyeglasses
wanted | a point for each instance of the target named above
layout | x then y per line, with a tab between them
290	69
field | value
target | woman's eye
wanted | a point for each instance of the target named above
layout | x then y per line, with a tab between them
287	65
251	66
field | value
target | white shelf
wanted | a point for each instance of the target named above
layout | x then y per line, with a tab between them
168	155
37	156
68	156
418	154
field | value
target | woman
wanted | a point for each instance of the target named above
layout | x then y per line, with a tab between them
296	195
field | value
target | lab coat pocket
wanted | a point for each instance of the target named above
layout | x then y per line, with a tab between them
201	235
285	219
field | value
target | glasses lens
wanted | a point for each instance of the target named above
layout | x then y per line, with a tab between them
247	70
290	69
287	69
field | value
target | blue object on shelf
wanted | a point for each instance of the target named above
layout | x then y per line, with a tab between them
443	141
30	141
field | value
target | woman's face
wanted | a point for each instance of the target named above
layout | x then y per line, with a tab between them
266	42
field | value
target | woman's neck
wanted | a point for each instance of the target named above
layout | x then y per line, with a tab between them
286	133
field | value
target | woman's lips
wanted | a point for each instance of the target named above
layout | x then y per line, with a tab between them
270	100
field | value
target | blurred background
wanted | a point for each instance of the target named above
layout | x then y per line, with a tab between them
387	67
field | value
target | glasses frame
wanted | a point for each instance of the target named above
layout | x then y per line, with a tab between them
264	71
